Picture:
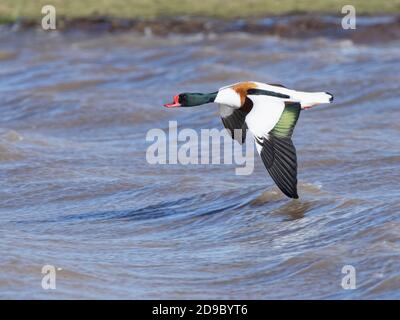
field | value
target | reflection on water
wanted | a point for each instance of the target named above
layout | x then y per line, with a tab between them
294	210
77	192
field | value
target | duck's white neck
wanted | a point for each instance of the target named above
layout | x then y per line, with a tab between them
229	97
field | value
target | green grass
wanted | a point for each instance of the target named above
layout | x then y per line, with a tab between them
151	9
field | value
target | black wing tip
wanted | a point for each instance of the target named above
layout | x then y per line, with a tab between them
294	196
289	193
279	158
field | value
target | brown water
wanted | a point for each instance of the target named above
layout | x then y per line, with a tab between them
77	192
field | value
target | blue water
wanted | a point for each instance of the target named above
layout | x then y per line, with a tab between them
78	194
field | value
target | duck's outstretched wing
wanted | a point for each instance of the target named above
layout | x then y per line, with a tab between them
272	121
234	120
279	157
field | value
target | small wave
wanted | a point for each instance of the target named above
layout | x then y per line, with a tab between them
72	86
8	149
266	197
9	154
6	55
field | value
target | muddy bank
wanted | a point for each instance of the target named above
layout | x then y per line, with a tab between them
369	28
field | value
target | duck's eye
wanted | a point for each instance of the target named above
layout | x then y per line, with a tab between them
182	98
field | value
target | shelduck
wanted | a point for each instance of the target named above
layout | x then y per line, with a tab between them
270	112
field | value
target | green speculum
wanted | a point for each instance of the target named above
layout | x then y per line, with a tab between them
197	99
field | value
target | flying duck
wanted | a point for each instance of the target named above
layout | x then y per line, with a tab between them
270	112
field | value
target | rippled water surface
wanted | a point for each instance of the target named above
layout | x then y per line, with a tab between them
77	192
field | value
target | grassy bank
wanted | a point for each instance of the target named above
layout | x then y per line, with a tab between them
10	10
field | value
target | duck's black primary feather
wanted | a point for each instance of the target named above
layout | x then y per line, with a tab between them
279	157
267	93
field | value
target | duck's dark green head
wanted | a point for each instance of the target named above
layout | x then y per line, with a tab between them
191	99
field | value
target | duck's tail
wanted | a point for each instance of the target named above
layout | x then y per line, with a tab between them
310	99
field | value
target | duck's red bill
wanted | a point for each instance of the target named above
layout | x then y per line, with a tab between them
174	104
